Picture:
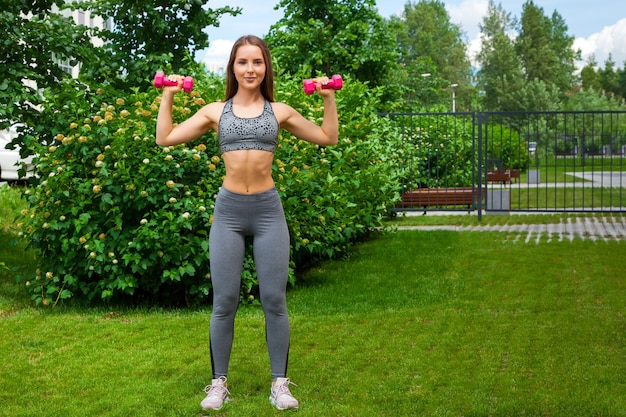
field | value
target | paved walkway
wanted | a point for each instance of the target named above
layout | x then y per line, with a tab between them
593	179
587	228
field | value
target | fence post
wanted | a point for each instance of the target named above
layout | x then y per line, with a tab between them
479	179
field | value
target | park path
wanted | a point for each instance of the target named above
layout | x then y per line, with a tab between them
606	229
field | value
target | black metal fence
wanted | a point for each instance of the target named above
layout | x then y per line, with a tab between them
513	161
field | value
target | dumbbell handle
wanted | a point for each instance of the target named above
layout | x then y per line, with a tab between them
335	83
160	81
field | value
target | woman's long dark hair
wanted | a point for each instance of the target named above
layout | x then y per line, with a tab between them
267	86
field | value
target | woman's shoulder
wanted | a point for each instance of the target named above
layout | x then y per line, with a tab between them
215	105
282	110
213	110
280	105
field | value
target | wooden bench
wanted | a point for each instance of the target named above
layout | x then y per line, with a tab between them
503	176
515	173
439	197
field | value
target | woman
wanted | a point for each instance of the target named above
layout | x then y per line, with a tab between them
247	124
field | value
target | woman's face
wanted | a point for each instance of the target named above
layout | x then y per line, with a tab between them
249	66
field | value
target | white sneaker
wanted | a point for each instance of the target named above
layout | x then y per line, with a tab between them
281	397
217	394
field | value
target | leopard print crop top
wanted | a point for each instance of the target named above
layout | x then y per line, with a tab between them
238	133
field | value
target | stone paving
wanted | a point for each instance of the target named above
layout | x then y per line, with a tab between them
606	228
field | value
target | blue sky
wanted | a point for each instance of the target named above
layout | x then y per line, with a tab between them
599	26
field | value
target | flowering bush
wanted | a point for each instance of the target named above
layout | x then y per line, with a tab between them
114	215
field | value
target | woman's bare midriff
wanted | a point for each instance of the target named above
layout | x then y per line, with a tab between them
248	171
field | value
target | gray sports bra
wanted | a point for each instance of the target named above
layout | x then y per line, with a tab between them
237	133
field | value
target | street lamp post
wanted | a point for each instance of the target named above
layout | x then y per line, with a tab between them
452	87
426	75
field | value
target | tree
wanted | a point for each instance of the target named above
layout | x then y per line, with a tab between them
621	79
329	36
590	99
34	40
536	95
429	32
149	35
608	77
429	43
589	76
563	47
608	80
545	49
500	71
39	36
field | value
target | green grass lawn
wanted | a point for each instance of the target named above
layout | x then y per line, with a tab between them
563	197
557	170
11	203
414	323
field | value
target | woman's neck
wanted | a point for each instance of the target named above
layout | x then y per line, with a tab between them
245	97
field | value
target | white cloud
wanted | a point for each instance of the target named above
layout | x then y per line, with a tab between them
468	15
216	56
609	40
473	48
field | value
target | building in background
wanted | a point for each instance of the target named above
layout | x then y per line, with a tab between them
82	17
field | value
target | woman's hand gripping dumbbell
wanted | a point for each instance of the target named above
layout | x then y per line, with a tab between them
160	81
335	83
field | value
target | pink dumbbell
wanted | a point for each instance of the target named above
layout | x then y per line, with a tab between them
336	83
160	80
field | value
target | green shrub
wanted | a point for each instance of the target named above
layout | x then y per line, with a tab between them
507	146
115	215
437	151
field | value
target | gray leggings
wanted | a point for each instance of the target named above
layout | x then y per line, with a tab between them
235	217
